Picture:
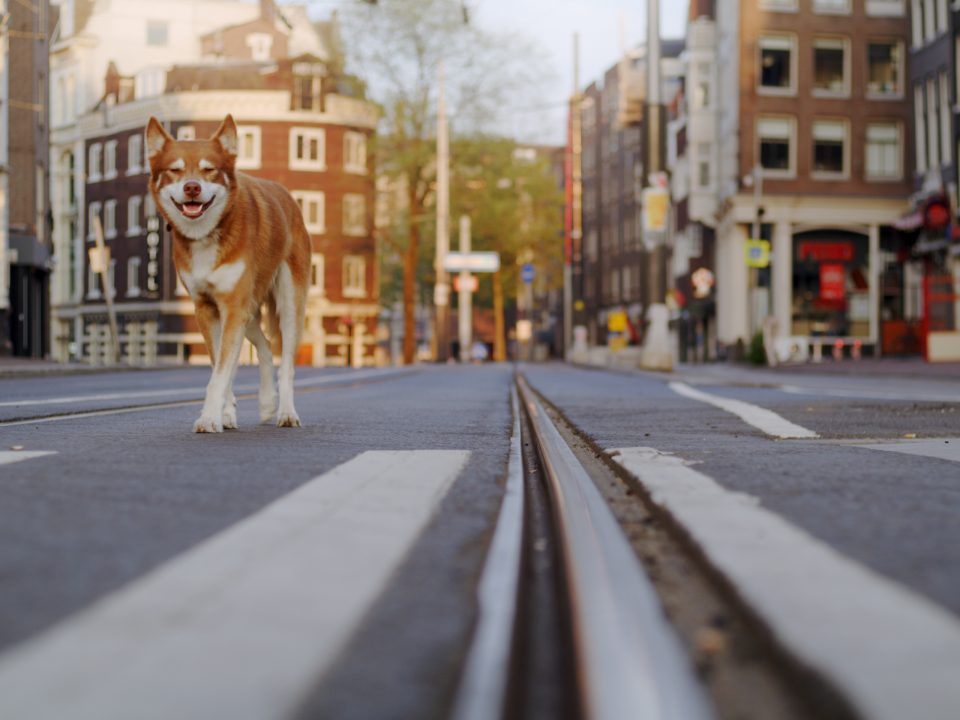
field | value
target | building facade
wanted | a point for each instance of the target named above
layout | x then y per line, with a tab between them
301	123
813	123
25	217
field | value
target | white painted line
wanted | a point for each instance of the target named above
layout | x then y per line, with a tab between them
197	391
870	394
892	653
942	448
242	625
12	456
764	420
483	686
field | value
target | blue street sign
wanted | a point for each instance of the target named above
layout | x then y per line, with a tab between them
527	272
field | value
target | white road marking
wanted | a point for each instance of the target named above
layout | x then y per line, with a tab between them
892	653
12	456
483	686
942	448
765	420
242	625
870	394
197	391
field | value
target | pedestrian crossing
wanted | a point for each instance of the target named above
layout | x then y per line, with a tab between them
8	457
242	625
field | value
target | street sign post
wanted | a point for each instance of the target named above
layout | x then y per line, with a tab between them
527	273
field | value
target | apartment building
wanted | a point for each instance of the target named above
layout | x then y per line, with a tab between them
25	219
617	263
813	121
302	123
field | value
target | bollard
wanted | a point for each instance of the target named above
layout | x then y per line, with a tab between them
855	349
817	351
838	350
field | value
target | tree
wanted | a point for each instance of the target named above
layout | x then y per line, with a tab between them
397	46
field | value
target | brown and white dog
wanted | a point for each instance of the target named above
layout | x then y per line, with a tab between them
240	246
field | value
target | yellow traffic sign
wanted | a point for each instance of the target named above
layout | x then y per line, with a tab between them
757	253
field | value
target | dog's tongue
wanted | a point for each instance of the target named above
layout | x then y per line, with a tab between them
192	209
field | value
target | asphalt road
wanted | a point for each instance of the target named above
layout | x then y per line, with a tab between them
127	487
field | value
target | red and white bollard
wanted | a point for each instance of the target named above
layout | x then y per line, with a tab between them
855	349
838	350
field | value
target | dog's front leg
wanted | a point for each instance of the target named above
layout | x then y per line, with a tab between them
268	393
227	355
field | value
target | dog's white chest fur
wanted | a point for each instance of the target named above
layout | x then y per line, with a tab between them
205	275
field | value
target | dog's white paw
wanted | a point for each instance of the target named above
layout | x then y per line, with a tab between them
288	419
230	418
208	425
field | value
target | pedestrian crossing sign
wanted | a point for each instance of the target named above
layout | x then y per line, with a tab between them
757	253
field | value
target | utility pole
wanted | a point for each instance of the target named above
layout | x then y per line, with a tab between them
573	285
441	291
657	266
466	295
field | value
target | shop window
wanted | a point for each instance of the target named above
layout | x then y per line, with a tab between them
829	147
884	68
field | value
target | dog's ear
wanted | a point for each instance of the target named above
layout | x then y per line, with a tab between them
226	135
155	137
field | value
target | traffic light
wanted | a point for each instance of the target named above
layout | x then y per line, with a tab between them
936	214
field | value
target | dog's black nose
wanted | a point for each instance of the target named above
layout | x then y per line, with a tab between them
191	188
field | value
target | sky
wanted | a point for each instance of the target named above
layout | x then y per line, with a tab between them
552	24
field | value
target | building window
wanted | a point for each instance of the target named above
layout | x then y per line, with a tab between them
920	127
933	120
777	54
186	132
779	5
354	276
134	154
830	66
307	93
775	137
93	284
157	31
93	217
312	206
307	149
149	206
133	277
248	147
110	160
316	274
883	151
884	68
703	164
929	21
946	129
941	17
260	45
354	215
916	21
832	7
133	215
112	278
110	219
94	156
885	8
829	147
355	152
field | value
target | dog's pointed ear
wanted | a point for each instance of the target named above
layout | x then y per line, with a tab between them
155	137
226	135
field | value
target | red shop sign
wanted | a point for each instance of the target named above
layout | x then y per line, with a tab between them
838	251
832	282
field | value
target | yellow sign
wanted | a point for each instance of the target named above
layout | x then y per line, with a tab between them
617	330
757	253
656	207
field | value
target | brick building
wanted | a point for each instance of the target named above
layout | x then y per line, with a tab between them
301	123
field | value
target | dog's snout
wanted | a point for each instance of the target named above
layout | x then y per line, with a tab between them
191	188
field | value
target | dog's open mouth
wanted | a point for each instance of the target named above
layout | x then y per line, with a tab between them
192	209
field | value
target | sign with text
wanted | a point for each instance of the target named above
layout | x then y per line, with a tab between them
656	207
471	262
832	282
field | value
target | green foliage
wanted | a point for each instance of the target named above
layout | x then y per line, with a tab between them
757	354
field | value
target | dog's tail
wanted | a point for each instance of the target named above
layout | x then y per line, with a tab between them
272	323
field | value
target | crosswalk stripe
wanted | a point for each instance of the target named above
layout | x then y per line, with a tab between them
891	652
242	625
765	420
11	456
939	448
